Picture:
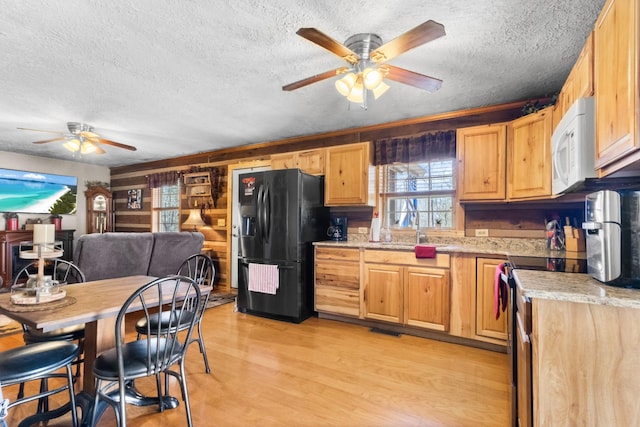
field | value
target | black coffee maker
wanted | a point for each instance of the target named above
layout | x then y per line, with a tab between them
338	229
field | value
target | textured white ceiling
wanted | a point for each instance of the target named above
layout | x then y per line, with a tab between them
179	77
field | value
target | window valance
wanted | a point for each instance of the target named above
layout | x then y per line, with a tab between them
163	178
415	148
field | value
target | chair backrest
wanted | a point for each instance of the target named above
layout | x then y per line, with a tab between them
63	271
175	297
200	268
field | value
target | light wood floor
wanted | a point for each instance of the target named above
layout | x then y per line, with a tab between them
325	373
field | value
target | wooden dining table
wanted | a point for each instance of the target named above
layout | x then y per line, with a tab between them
96	304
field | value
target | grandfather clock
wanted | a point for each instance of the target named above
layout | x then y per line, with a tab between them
99	210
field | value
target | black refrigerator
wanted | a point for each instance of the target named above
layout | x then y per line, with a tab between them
282	213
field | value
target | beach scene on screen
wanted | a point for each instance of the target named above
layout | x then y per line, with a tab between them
37	192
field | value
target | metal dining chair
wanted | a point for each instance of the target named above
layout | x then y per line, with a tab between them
200	268
41	361
66	273
163	348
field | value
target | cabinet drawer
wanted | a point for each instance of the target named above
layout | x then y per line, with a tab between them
338	274
342	254
336	300
405	258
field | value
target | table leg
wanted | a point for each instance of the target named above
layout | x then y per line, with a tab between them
98	337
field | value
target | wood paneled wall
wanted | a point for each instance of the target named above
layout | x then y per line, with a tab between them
134	176
526	220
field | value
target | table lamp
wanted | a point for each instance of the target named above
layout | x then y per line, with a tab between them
194	220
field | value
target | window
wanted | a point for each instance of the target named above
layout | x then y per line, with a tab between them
421	193
165	210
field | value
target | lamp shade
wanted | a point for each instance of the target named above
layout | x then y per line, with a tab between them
345	84
72	145
87	147
372	78
380	89
356	94
194	220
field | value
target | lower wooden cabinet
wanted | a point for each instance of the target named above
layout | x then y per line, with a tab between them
337	281
427	299
486	323
584	361
451	293
407	294
383	292
523	371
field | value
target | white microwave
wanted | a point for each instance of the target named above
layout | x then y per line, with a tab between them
573	147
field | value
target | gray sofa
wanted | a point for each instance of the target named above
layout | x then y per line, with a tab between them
109	255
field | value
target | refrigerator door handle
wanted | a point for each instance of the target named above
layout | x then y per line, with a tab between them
266	212
260	207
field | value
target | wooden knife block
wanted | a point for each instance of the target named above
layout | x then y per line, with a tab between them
576	244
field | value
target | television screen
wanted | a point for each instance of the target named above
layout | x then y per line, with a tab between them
37	193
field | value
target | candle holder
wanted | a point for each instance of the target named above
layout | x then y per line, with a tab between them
40	288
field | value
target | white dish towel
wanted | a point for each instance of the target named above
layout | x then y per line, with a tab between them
263	278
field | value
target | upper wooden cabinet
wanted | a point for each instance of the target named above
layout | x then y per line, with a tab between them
506	162
482	160
310	161
579	83
616	86
349	176
529	156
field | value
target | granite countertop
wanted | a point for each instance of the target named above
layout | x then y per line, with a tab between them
574	287
469	245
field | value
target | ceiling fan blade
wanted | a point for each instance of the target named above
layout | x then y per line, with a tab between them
40	130
314	79
430	84
49	140
323	40
423	33
116	144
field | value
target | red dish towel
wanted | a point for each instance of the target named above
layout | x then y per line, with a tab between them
423	251
499	291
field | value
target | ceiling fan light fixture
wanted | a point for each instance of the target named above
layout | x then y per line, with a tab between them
357	92
379	90
72	145
345	84
372	78
87	147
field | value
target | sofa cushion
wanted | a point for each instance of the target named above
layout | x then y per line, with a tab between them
171	249
108	255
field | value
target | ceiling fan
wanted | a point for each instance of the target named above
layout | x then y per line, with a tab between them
81	137
367	58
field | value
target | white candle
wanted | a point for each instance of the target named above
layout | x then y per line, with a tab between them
44	233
